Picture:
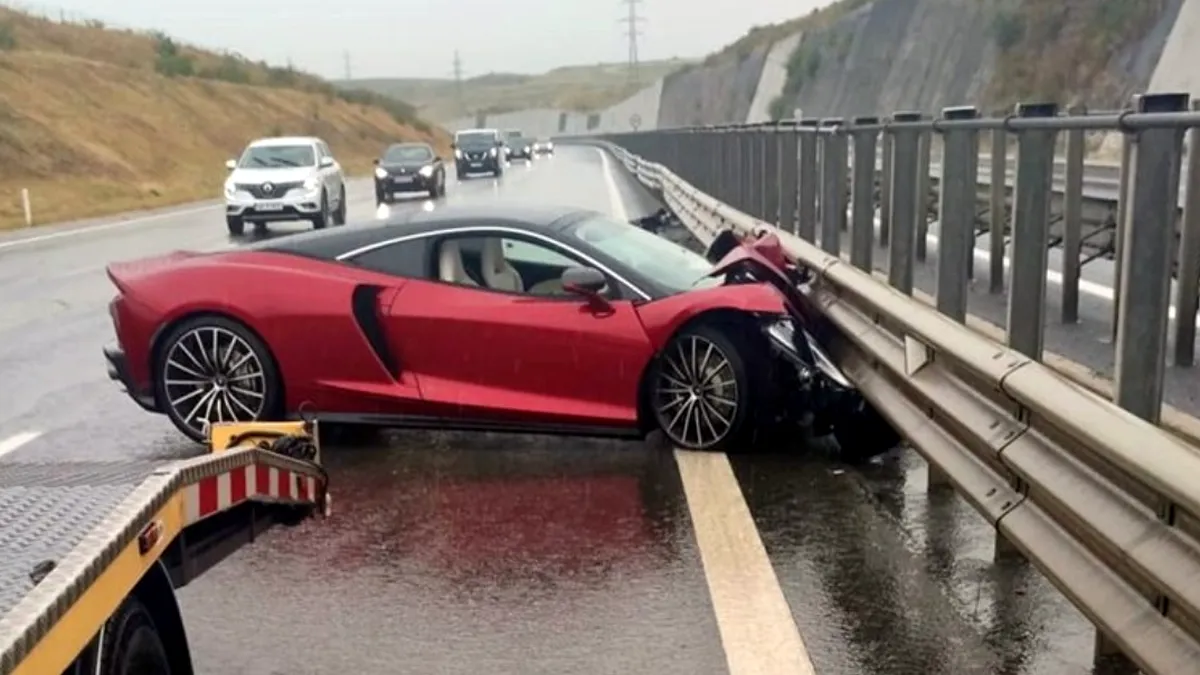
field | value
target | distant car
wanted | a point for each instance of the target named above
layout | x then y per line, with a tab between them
284	178
543	146
488	318
519	146
478	151
409	167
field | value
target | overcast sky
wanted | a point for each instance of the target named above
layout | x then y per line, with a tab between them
417	38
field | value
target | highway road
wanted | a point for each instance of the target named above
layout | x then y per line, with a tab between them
467	553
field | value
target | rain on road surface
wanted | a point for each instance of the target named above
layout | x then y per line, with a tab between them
467	553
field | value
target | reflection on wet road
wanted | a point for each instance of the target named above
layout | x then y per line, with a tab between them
467	553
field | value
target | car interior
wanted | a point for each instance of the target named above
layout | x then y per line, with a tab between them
506	265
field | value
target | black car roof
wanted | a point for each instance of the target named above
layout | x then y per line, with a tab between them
329	243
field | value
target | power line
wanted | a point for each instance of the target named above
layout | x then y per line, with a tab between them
632	32
458	84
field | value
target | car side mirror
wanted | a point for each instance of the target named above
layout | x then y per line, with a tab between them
231	164
325	162
584	281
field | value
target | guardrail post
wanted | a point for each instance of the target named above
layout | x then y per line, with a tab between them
997	204
862	207
746	177
786	188
833	185
1072	221
730	184
924	155
1031	231
806	193
715	155
956	212
754	172
1146	297
904	210
1123	197
1187	279
885	189
771	179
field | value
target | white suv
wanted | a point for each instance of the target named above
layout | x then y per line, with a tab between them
286	178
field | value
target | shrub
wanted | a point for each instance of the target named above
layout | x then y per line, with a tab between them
170	61
1008	29
8	38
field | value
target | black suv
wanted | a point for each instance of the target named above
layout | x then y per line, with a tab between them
478	151
518	145
409	167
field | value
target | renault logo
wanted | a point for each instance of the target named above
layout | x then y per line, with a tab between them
268	187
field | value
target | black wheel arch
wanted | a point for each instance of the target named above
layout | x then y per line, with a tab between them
740	324
158	343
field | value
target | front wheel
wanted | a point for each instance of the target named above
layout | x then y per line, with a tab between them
704	390
863	433
132	644
324	216
235	225
213	369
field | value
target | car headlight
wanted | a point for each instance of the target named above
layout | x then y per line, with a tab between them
426	171
380	172
230	190
550	146
458	154
311	183
527	149
493	152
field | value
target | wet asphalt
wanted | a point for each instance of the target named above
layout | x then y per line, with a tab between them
474	553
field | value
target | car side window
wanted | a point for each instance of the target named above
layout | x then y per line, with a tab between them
403	259
505	264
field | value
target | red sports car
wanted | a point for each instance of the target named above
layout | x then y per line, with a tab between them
536	320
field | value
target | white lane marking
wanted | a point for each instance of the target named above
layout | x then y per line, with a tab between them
758	632
13	442
106	226
757	628
1053	276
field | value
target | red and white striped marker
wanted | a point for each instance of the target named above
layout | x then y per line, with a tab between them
215	494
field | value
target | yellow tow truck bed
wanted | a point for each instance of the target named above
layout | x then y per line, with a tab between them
82	543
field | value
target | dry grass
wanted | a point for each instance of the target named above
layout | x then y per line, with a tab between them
577	88
90	129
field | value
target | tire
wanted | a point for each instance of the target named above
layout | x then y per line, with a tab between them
322	219
132	645
236	226
864	433
731	418
340	216
183	378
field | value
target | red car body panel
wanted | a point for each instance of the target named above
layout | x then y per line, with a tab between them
462	353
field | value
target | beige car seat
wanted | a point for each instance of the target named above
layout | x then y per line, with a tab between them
450	265
497	273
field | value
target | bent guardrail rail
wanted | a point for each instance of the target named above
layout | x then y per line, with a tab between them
1102	500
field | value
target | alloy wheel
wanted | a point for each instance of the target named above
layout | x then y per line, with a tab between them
210	375
696	396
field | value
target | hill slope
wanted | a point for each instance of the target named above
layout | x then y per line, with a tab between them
96	121
577	88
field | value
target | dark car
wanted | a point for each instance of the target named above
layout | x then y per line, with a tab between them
518	145
500	318
409	167
478	151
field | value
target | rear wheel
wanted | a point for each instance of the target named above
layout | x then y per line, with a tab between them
705	389
236	225
339	217
132	645
212	369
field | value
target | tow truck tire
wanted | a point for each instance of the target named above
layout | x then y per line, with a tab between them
237	226
865	433
727	342
132	645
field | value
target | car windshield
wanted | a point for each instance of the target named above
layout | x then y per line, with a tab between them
666	262
476	139
408	153
514	135
278	156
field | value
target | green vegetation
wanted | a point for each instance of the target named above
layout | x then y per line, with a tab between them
1057	51
577	88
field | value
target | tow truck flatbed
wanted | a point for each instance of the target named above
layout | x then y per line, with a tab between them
81	541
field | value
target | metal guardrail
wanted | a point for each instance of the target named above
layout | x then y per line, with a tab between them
1102	500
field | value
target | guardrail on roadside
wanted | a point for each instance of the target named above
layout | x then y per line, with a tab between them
1100	498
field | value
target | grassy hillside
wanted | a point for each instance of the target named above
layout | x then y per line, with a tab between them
96	121
580	88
